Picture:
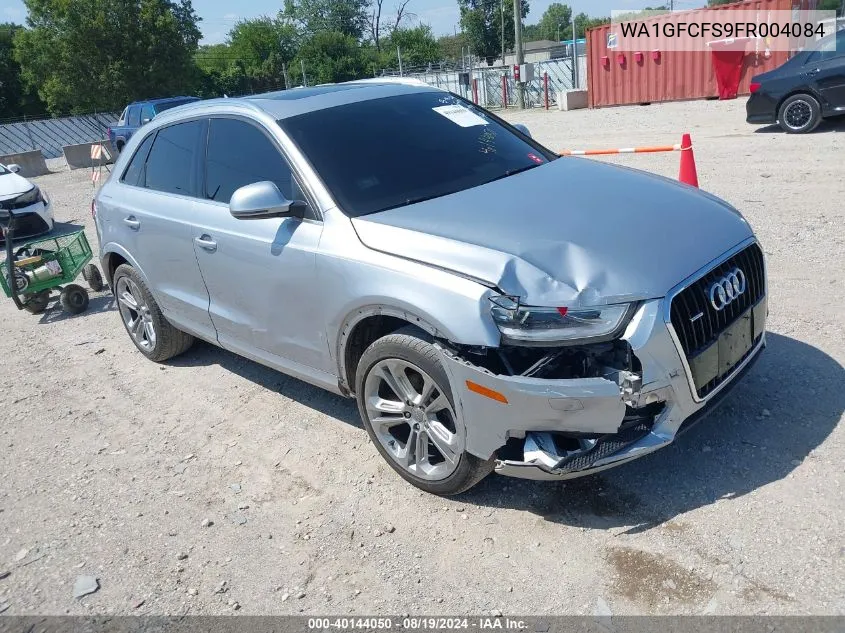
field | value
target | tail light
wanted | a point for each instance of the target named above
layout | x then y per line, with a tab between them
94	209
755	87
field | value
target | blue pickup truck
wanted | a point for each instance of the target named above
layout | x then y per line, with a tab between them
138	113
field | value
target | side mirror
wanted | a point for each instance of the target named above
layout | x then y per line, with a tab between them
262	200
523	128
13	168
144	121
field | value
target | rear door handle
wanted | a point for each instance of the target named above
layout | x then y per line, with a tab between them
206	243
132	223
814	72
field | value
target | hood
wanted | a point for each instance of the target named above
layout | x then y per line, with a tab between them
573	232
12	185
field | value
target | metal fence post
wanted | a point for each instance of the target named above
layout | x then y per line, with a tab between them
546	88
28	132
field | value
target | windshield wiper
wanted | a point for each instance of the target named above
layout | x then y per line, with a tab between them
514	172
410	201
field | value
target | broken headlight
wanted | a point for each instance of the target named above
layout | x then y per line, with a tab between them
531	325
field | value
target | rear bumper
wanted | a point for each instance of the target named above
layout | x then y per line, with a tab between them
611	422
761	109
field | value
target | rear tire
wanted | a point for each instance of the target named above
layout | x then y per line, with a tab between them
151	333
74	299
37	303
799	114
407	354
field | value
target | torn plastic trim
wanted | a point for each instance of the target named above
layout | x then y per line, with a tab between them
591	405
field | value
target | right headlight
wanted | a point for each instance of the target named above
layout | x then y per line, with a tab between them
30	197
534	325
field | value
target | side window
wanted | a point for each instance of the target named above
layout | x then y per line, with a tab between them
171	166
240	154
147	114
135	174
134	116
122	121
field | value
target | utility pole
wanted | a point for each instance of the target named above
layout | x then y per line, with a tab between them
520	57
399	55
503	33
574	55
671	5
304	80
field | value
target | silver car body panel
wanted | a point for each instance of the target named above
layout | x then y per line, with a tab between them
519	234
288	293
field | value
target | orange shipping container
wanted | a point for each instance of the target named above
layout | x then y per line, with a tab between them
648	76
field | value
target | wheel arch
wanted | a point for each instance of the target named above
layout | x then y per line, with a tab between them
112	257
803	90
367	324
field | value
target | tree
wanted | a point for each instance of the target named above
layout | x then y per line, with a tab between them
84	55
556	22
15	99
330	57
450	46
481	20
263	46
378	27
417	44
347	17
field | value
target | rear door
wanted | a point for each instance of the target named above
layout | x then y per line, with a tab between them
157	207
260	274
826	69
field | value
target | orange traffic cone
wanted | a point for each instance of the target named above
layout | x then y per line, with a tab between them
688	174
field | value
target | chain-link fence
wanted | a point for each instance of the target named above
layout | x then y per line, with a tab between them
496	85
51	135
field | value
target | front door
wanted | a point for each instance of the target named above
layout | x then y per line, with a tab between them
260	274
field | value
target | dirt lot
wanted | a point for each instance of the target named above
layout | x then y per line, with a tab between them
113	466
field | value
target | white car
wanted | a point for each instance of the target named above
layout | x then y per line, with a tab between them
31	206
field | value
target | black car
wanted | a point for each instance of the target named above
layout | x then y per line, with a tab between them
804	90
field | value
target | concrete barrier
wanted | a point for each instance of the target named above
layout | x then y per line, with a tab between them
31	163
571	100
79	156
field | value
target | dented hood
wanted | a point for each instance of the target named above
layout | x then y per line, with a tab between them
571	232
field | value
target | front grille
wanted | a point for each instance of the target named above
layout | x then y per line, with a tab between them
26	225
699	325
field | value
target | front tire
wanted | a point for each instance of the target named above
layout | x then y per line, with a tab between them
800	114
151	333
407	407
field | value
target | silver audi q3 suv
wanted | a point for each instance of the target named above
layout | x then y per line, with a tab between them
490	305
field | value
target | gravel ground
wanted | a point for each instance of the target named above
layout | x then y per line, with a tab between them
212	485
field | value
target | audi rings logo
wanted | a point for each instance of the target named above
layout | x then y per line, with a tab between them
728	289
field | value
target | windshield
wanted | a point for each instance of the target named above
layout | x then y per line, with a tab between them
380	154
3	170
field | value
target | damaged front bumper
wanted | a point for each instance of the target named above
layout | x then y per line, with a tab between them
560	429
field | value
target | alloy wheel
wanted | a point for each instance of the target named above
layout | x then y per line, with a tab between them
413	419
798	114
135	313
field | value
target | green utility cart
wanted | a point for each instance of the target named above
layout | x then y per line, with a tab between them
33	268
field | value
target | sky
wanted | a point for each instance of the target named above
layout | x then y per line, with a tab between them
218	16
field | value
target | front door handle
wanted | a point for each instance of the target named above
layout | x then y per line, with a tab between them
206	243
814	72
132	223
